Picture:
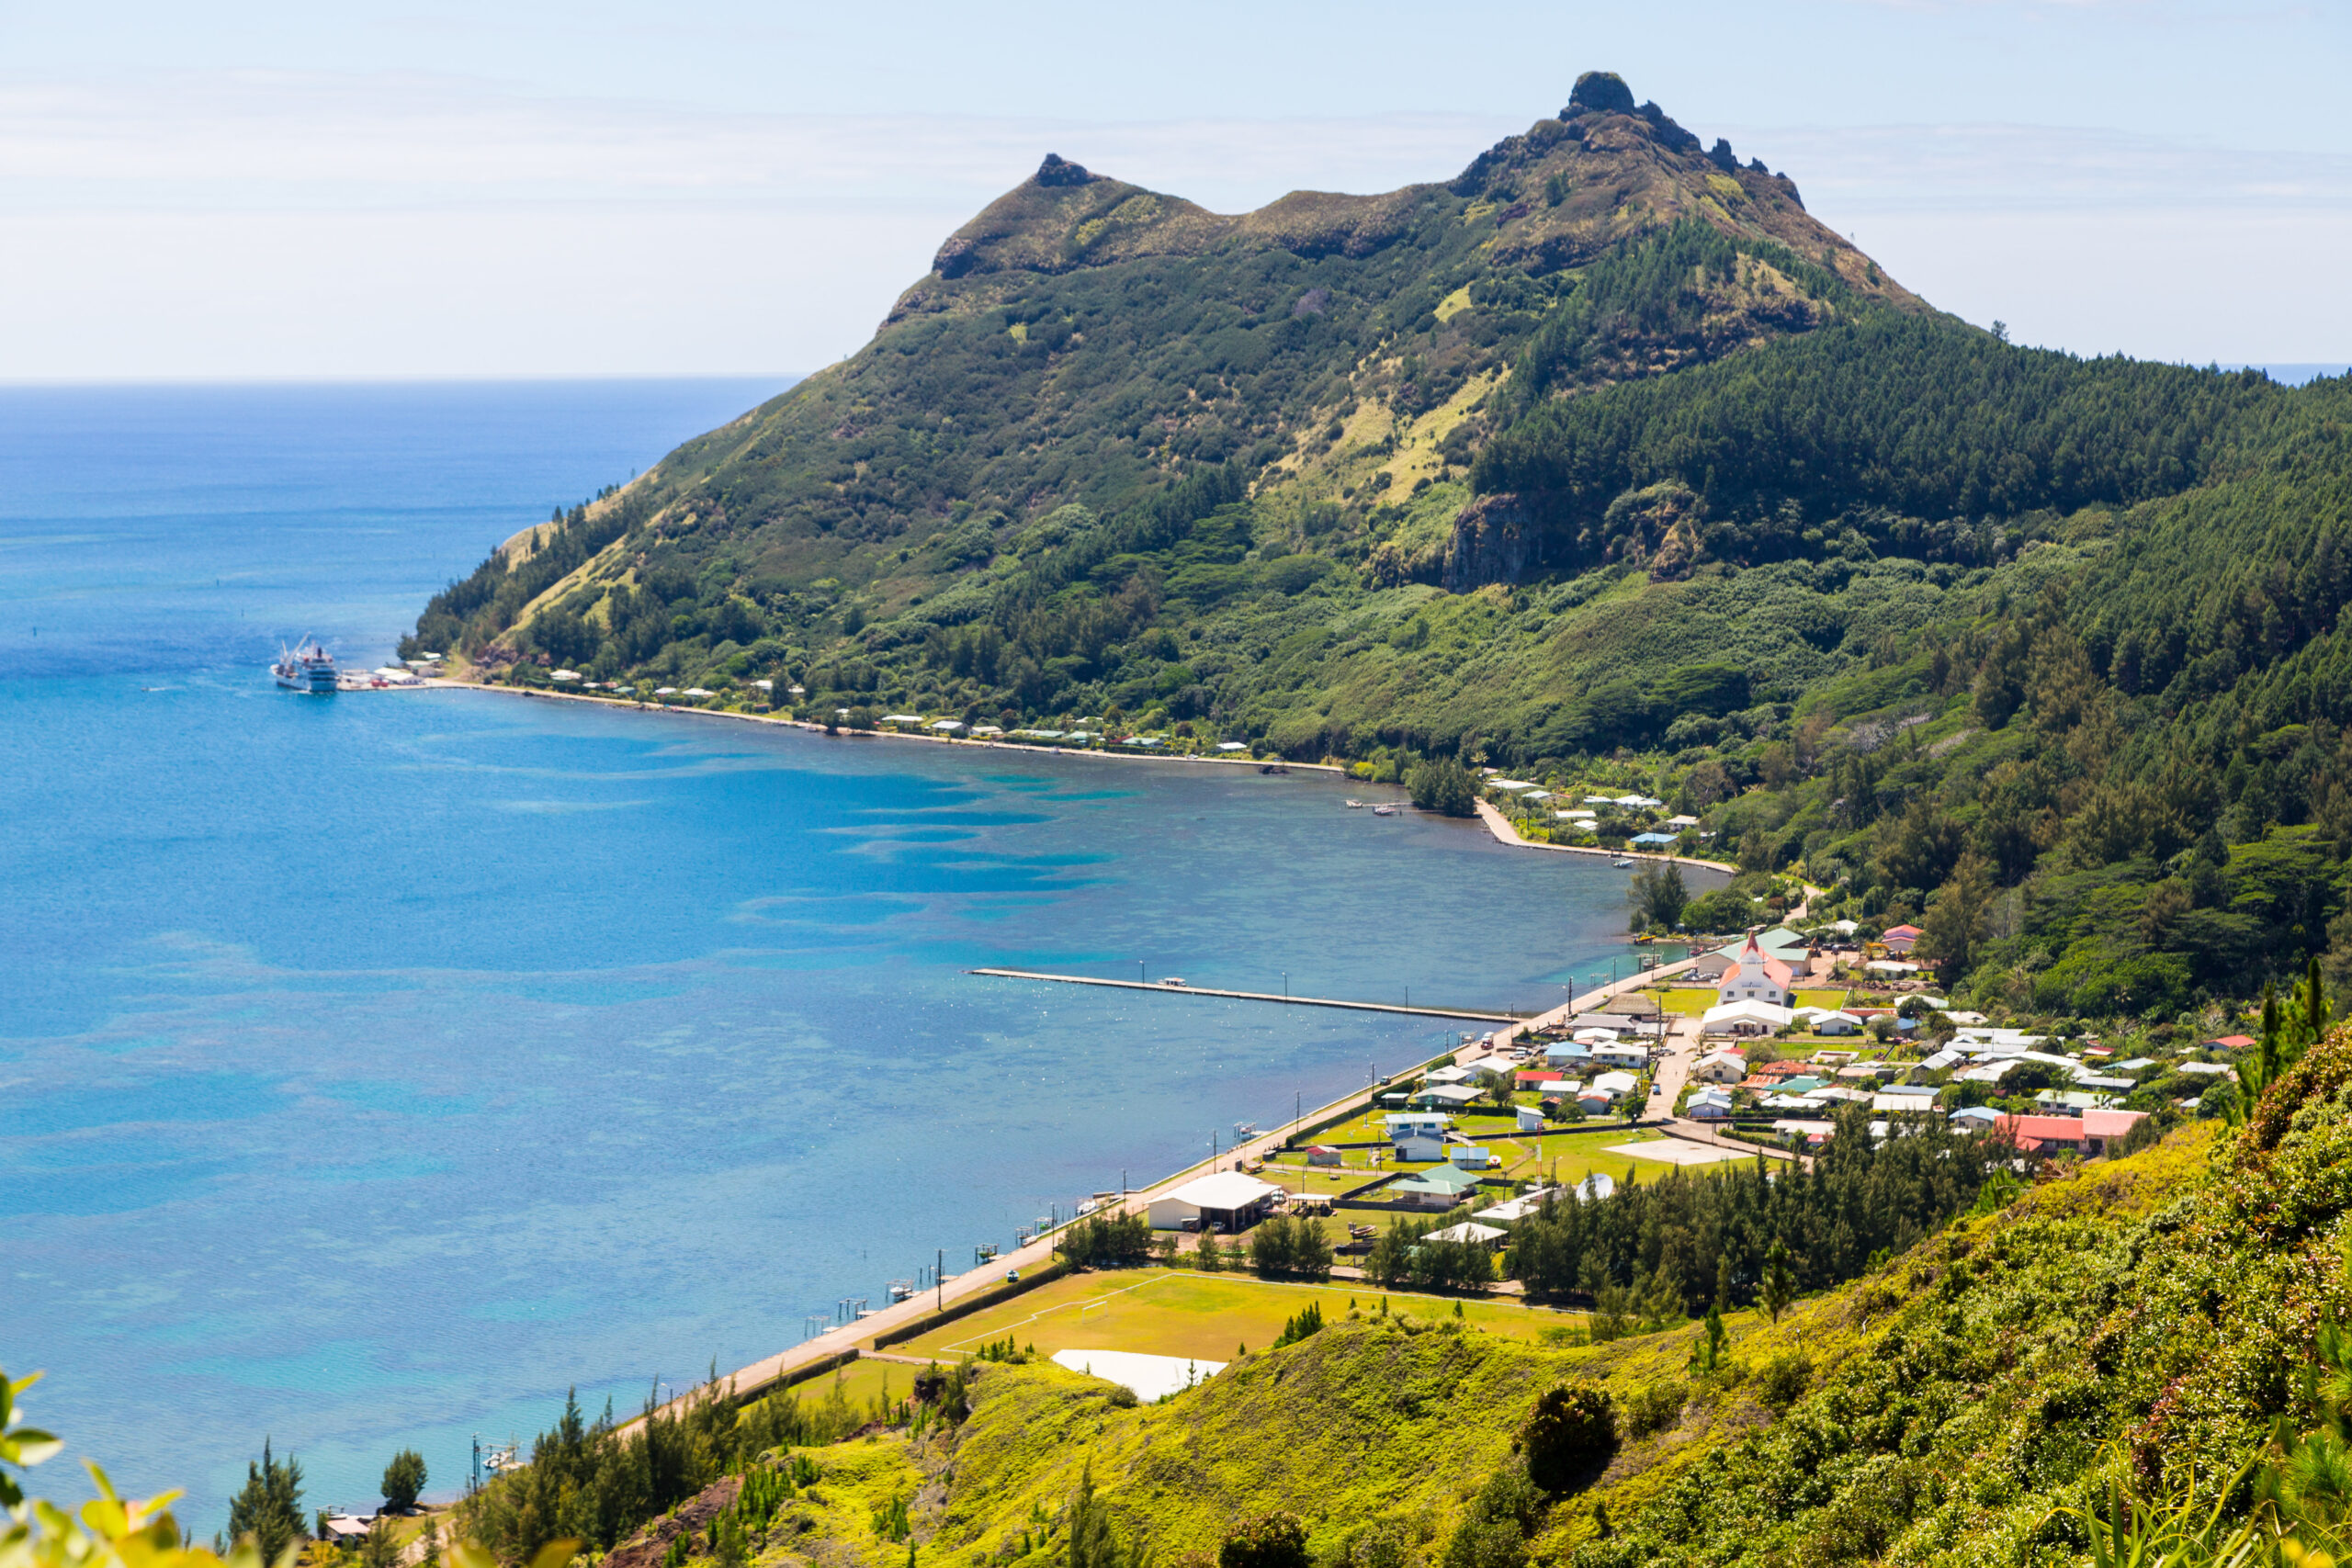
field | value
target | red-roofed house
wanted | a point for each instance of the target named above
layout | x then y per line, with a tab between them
1902	939
1757	977
1784	1069
2089	1133
2231	1042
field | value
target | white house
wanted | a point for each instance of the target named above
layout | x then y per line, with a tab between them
1720	1066
1616	1084
1530	1120
1470	1156
1621	1056
1228	1198
1746	1017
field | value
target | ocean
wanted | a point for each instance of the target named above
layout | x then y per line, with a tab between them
374	1069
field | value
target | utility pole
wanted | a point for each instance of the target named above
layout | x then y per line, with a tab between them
938	1283
1138	971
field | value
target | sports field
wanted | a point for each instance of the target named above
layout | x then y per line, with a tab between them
1175	1312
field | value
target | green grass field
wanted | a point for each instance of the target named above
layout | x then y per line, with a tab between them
1833	1000
1175	1312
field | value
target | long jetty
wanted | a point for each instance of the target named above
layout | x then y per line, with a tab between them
1163	989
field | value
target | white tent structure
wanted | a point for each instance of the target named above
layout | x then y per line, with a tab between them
1228	1199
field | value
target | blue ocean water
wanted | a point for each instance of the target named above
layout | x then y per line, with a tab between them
375	1068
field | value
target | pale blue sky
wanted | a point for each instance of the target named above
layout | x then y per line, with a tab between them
516	187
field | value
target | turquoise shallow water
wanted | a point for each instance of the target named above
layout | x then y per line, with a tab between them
372	1070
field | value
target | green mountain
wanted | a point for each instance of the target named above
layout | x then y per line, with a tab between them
1602	463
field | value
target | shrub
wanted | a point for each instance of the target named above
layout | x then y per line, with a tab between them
1782	1380
1654	1406
1269	1540
1569	1434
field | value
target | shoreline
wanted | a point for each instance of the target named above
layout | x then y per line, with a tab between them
443	683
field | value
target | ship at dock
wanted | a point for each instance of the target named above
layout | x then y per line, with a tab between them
306	667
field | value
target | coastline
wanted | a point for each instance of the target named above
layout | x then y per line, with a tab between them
444	683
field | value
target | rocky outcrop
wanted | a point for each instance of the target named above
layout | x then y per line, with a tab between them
1494	541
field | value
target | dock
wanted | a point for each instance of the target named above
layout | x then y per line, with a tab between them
1163	989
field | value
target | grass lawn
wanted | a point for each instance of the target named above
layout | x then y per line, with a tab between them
1686	1001
1834	1001
1175	1312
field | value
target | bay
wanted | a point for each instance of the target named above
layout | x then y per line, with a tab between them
374	1069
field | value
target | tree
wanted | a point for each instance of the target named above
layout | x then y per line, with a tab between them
1499	1086
1954	928
1446	787
403	1480
1569	1434
1780	1287
1090	1543
1657	896
268	1508
380	1549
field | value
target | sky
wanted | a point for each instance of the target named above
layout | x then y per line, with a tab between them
421	188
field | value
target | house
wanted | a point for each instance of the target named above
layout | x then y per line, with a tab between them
2089	1133
348	1530
2206	1069
1615	1084
1450	1073
1901	939
1720	1066
1472	1232
1470	1156
1621	1056
1811	1132
1629	1004
1709	1105
1654	841
1975	1119
1680	822
1746	1017
1228	1200
1561	1052
2228	1042
1785	1068
1593	1101
1785	1100
1512	1210
1804	1083
1419	1146
1903	1100
1756	977
1829	1021
1430	1123
1322	1154
1530	1120
1445	1096
1440	1186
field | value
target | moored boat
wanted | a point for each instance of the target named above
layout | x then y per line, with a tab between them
306	667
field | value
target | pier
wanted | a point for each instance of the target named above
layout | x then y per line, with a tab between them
1162	988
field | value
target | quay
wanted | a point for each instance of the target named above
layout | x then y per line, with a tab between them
1165	990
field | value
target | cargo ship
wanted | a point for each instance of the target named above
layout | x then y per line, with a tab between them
306	667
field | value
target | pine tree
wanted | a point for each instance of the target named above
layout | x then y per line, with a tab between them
268	1508
1780	1286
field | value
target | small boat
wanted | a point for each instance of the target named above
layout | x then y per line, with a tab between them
1244	1131
1621	861
901	1290
306	667
1355	805
1384	811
